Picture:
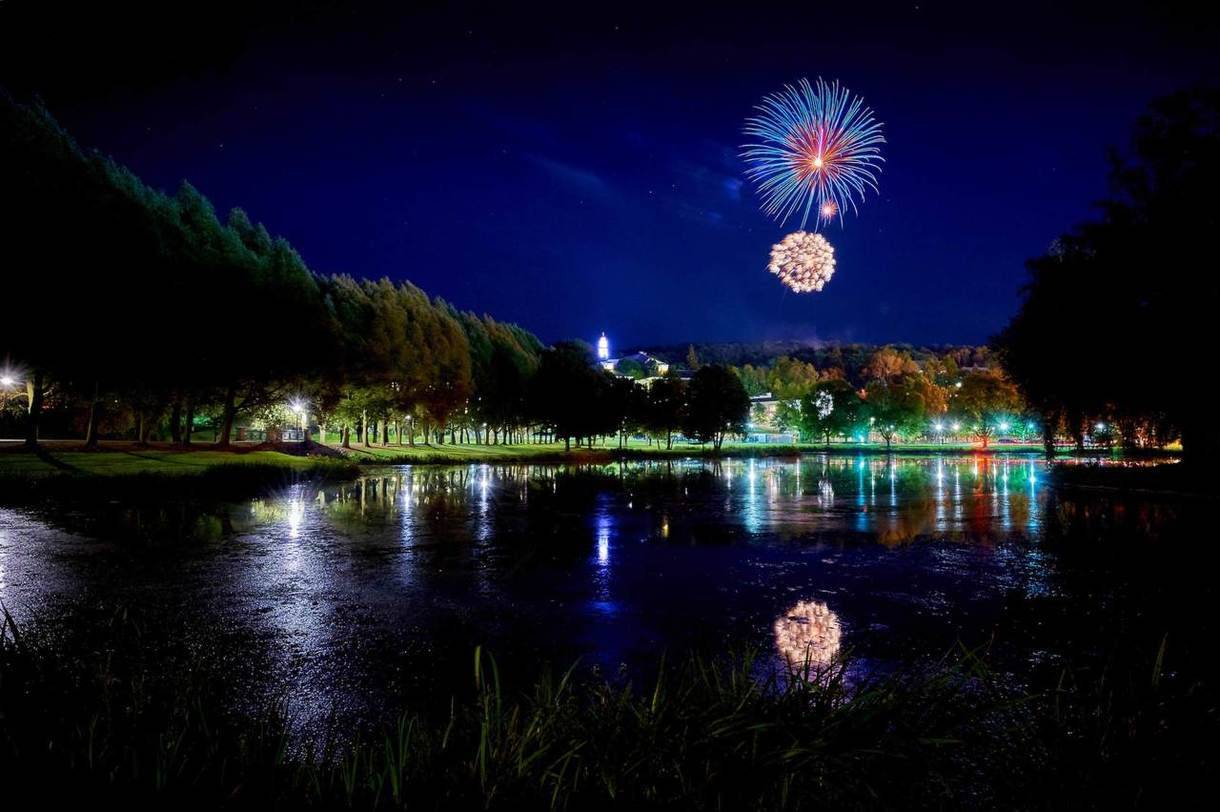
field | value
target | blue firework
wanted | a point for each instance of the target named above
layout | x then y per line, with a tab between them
818	152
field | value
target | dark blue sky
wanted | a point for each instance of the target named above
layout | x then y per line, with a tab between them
577	172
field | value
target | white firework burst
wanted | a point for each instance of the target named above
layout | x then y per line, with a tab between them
808	634
804	261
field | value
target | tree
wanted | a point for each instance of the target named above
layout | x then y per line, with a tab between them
244	325
753	378
832	409
788	415
566	392
666	405
791	379
888	364
631	368
984	399
1094	299
692	358
717	405
897	408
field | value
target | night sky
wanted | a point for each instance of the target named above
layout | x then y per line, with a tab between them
578	171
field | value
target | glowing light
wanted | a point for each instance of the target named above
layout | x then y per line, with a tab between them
816	145
938	426
603	348
1003	425
808	633
804	261
957	426
1101	426
7	380
824	404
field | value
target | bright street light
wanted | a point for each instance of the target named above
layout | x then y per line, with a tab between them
7	380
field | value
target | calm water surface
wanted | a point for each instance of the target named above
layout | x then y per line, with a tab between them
348	599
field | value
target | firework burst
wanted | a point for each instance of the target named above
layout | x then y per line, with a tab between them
819	151
804	261
809	634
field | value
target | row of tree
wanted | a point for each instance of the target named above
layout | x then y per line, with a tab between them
156	316
149	308
149	316
1115	316
893	396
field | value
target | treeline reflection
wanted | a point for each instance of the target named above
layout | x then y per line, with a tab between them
890	500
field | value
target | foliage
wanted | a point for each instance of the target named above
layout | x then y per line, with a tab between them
717	405
983	401
832	409
896	408
1122	288
102	724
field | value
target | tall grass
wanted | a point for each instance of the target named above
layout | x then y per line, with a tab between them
703	734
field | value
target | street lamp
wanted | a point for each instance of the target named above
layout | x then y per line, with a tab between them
298	406
7	380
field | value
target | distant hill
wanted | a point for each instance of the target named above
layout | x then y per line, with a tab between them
851	358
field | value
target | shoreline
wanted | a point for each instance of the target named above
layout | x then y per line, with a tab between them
124	469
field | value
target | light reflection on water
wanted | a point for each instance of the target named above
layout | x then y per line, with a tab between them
894	501
409	567
808	635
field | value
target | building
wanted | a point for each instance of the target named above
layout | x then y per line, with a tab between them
637	365
761	427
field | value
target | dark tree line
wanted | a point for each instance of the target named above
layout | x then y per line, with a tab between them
149	315
1114	315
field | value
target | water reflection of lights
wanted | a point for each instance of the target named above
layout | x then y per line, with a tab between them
826	493
753	515
603	541
295	517
808	633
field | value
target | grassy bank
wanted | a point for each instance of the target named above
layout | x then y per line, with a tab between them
153	472
527	452
1180	479
95	722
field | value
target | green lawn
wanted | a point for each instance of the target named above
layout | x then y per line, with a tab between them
462	453
125	461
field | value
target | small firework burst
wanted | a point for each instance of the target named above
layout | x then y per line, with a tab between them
808	634
804	261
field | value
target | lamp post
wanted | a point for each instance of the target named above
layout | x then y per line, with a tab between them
8	386
298	407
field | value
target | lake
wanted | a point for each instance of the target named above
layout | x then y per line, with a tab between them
347	599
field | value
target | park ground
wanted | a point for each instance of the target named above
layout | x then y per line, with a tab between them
119	459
